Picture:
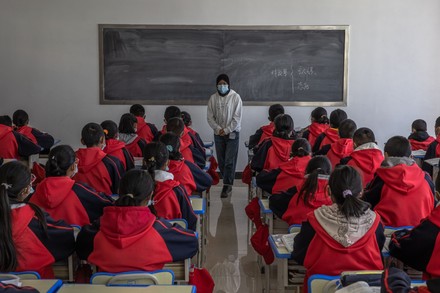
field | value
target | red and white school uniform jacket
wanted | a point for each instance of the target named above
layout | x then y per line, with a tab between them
35	250
272	153
132	239
116	148
44	140
420	140
366	159
402	194
145	130
342	148
185	146
297	210
287	175
433	151
75	203
327	236
329	136
263	133
99	170
133	143
420	247
313	131
14	145
190	176
171	200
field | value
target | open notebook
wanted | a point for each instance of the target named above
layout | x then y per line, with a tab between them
284	240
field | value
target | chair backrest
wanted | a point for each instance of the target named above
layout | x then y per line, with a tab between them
295	228
181	222
318	283
135	278
27	275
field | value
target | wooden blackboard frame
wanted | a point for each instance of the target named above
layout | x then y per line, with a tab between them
104	101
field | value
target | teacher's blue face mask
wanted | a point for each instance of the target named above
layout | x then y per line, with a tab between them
223	88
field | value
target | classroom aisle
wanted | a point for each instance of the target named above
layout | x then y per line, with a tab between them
230	260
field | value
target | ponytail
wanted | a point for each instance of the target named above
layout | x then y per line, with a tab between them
135	188
346	188
283	126
60	159
8	255
301	148
155	157
319	115
319	165
172	143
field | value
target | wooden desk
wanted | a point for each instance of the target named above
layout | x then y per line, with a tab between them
199	208
49	286
89	288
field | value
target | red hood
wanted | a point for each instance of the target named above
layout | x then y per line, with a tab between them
268	129
367	160
282	148
25	130
4	130
185	140
53	190
434	217
321	197
402	178
317	128
163	188
123	226
175	166
295	166
113	145
343	147
21	217
140	124
332	134
89	158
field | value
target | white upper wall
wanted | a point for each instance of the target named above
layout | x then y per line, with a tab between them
49	58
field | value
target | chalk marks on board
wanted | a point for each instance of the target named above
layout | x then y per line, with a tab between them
299	76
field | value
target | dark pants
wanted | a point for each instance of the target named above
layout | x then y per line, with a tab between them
227	152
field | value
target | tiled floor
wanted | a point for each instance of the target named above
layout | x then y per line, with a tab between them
231	261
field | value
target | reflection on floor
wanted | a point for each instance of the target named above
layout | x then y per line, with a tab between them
231	260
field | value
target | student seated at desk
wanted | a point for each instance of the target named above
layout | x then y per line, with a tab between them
419	137
127	134
21	121
114	147
343	146
99	170
14	145
401	193
307	197
433	150
276	150
320	123
196	139
145	130
170	200
61	197
419	247
31	240
366	156
266	131
345	236
129	237
330	135
288	174
190	176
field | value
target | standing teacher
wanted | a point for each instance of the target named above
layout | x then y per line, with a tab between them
224	117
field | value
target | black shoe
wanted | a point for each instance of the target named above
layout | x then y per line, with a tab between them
226	191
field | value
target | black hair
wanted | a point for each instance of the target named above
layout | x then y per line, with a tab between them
186	117
110	129
346	189
437	122
223	77
319	115
275	110
137	110
135	187
419	125
176	126
91	134
398	146
126	124
20	118
336	117
60	159
301	148
172	143
283	126
347	128
6	120
363	135
171	112
437	183
318	165
155	157
14	178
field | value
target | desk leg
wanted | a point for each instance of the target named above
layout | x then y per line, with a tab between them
281	274
199	232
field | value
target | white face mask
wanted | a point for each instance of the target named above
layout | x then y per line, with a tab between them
75	171
103	146
150	202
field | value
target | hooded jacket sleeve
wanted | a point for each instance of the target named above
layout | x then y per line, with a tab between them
92	201
259	158
25	146
202	180
254	139
44	140
279	203
373	191
318	141
302	242
211	115
186	207
115	171
85	240
266	179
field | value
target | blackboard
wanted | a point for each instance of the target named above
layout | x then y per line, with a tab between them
293	65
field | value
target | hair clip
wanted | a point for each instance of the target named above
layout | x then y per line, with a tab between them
53	158
130	195
169	148
152	159
105	131
346	192
7	186
300	148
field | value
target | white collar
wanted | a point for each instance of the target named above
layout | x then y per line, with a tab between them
161	176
